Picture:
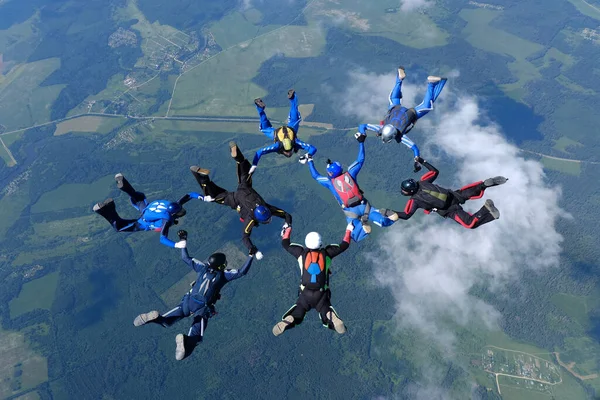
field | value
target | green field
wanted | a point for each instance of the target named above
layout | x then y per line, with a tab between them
21	368
38	293
13	203
576	307
71	195
566	167
10	138
480	34
586	8
69	228
5	155
564	142
24	101
521	391
225	79
95	124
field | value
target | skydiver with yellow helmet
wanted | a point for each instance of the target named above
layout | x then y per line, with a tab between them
285	137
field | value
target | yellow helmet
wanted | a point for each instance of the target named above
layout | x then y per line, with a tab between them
286	136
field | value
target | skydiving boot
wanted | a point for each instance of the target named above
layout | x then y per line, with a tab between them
180	351
107	209
489	205
338	324
124	185
143	319
260	104
495	181
291	94
282	325
235	152
201	175
434	79
401	73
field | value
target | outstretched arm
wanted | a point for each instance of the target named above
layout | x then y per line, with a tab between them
410	208
265	150
294	249
356	166
247	230
370	127
315	174
310	149
405	140
278	212
432	174
194	264
334	250
232	274
164	234
188	197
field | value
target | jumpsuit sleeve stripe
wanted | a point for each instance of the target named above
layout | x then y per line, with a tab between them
428	175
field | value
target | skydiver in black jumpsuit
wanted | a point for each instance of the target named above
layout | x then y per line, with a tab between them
253	209
446	202
314	261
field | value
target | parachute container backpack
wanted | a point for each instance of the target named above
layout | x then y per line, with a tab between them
347	189
316	271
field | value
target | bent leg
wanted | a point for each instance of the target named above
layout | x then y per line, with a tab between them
433	91
108	211
395	97
172	316
294	116
196	332
471	221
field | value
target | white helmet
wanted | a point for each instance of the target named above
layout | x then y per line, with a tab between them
313	241
388	132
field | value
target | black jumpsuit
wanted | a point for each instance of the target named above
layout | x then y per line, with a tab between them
314	289
244	200
447	202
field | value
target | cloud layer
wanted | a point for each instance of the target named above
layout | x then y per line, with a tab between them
431	264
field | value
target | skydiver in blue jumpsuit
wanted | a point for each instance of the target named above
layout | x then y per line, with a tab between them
158	215
199	301
399	120
285	137
346	191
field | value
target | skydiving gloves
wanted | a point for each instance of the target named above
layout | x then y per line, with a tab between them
418	162
305	158
360	137
182	239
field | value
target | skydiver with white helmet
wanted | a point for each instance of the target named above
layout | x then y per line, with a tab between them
345	189
399	120
253	209
158	215
285	137
446	202
199	301
314	260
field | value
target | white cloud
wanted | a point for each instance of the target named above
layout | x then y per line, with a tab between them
411	5
431	264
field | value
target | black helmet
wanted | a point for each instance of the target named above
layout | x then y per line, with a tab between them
409	187
217	261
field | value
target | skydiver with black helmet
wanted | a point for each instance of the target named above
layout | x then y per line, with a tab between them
285	137
158	215
446	202
253	209
399	120
199	301
314	260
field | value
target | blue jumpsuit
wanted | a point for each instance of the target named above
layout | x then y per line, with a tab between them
154	216
293	122
400	116
358	233
200	300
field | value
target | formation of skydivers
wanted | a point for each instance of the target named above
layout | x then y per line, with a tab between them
314	258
